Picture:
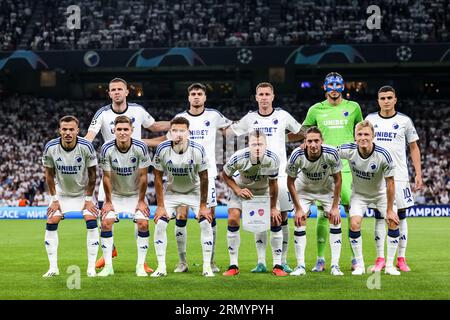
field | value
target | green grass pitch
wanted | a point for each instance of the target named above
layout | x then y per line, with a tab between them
24	260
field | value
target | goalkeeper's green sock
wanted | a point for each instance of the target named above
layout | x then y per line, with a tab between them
322	233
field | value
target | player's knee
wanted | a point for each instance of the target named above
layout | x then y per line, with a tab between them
355	225
107	224
142	224
392	225
233	222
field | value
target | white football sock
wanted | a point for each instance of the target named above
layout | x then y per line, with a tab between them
276	242
207	241
142	246
285	230
356	243
403	241
234	241
380	236
392	245
261	245
107	246
300	244
92	242
181	236
160	240
51	245
335	243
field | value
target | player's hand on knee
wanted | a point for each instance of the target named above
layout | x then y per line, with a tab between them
206	213
245	193
54	206
392	217
107	207
91	207
299	218
335	215
159	213
275	214
142	207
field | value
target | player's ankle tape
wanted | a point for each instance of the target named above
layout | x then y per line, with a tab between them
144	234
394	233
91	224
354	234
106	234
180	223
233	229
51	226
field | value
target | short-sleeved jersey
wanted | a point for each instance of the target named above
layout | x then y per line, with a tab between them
393	133
337	123
254	176
104	120
274	126
368	173
71	174
203	129
314	176
181	169
124	166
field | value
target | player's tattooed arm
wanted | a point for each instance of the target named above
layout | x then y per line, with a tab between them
142	206
391	216
300	215
335	215
154	142
50	179
107	185
160	209
417	163
204	210
92	177
159	126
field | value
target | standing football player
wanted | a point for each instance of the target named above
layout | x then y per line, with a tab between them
393	131
373	183
336	118
274	122
186	166
311	174
103	121
125	163
70	171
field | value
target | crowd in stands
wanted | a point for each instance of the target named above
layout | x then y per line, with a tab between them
28	123
109	24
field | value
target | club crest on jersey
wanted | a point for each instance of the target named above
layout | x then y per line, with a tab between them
395	125
324	166
133	159
207	123
345	113
78	158
191	162
373	166
275	121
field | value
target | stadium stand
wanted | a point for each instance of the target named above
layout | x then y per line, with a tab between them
25	133
110	24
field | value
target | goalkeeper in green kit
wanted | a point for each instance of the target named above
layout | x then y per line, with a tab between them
336	118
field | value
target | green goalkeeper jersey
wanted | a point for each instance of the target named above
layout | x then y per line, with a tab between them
337	123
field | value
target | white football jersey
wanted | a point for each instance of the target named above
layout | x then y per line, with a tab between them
203	129
369	173
393	134
104	120
254	176
274	126
314	176
124	166
71	174
181	169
